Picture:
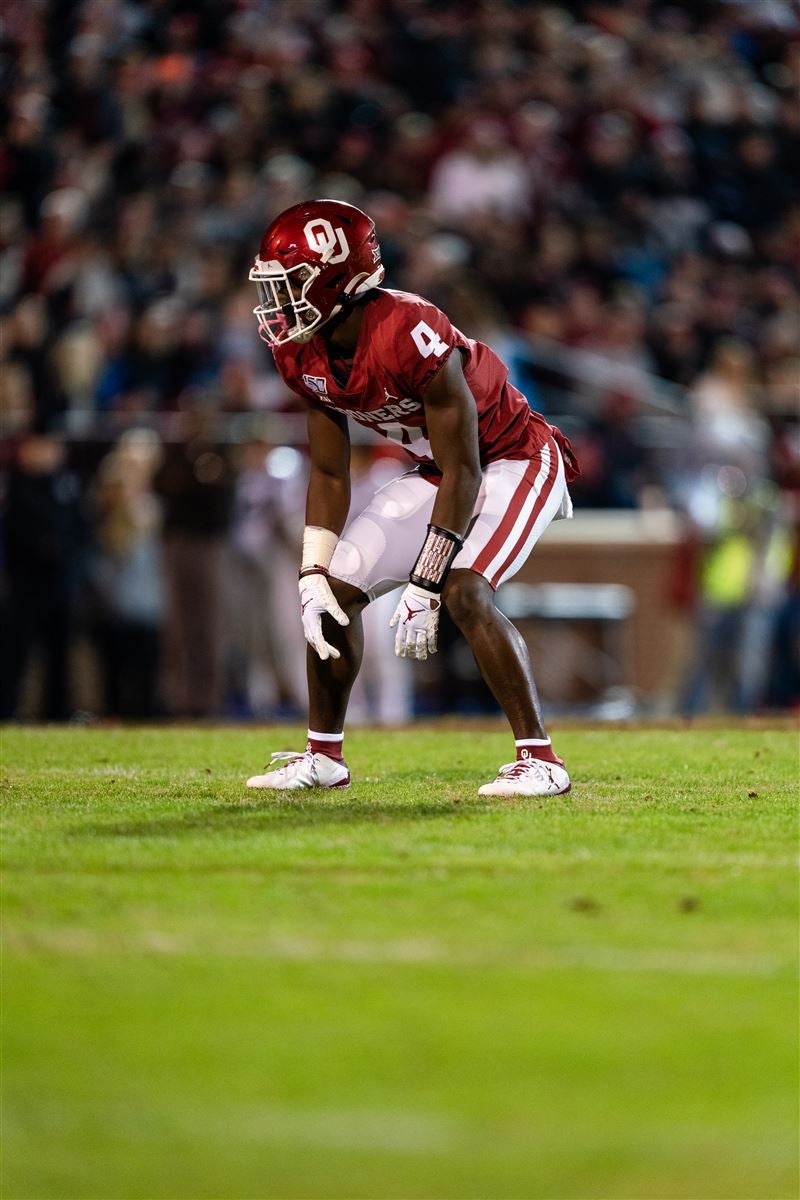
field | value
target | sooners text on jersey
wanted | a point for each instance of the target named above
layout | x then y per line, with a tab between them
404	341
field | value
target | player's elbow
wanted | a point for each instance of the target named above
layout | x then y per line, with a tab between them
465	477
330	476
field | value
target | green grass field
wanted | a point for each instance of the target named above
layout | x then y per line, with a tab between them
400	990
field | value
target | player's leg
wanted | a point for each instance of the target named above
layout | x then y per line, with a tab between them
322	764
330	680
499	649
518	501
373	555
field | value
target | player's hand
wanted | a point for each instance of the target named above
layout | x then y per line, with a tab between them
417	621
317	598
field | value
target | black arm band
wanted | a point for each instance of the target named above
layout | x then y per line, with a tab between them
435	558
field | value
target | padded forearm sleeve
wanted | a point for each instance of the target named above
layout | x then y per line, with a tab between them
435	558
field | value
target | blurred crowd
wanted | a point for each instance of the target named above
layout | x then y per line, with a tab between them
607	191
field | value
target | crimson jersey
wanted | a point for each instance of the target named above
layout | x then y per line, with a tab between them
404	341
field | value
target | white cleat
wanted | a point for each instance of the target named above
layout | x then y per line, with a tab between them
528	777
302	770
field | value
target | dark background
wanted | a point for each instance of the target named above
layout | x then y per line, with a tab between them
608	193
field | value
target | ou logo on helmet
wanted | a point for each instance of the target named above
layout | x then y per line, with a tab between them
323	239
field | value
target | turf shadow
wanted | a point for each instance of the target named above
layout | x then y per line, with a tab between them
269	816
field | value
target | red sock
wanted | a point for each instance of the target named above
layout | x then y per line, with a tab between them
329	744
537	748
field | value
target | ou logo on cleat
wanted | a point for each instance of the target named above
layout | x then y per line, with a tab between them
323	239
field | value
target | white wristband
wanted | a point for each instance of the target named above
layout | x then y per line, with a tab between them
318	547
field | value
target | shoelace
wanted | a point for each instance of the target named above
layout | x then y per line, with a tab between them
522	766
289	757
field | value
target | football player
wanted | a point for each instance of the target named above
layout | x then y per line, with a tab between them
489	477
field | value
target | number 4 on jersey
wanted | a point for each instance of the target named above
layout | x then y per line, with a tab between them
428	342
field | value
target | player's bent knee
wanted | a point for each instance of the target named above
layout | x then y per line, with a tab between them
467	597
351	598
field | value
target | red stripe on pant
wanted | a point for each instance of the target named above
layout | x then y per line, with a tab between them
541	500
521	493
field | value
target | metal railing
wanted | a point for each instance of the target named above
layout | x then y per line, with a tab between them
573	385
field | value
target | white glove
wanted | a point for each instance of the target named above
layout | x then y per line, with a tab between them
317	598
417	621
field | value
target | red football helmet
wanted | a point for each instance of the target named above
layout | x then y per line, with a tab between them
311	258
